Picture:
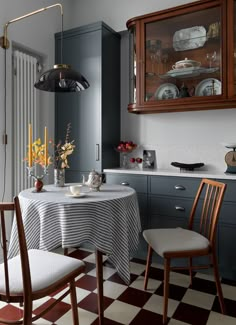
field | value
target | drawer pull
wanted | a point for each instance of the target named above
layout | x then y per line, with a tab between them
180	187
178	208
125	183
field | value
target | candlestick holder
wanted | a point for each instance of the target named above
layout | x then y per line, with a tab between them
38	179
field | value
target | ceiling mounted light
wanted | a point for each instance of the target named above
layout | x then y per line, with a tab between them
59	79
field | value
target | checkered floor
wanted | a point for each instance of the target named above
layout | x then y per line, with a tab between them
197	305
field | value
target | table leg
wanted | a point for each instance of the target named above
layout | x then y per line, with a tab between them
99	272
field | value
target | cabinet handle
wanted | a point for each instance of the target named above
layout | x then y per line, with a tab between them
178	208
97	152
125	183
180	187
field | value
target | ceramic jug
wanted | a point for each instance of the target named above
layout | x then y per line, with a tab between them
94	180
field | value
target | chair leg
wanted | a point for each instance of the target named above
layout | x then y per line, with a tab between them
149	260
218	284
27	312
191	270
74	306
166	288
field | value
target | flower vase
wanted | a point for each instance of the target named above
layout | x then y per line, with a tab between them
59	177
38	185
124	160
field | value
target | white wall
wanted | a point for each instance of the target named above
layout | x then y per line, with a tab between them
186	137
36	33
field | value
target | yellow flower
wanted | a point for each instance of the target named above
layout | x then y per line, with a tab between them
63	151
38	153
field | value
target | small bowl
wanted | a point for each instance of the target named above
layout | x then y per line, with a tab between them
75	189
186	64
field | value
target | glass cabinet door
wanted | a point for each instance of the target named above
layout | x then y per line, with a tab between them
234	50
133	56
183	56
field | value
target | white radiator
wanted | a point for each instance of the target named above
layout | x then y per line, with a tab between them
24	112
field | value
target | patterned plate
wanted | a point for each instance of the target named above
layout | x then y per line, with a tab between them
167	91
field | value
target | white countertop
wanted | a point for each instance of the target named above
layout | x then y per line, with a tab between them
177	172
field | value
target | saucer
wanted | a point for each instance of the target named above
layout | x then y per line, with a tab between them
76	196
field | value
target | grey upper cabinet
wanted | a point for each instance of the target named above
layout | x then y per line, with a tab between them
94	51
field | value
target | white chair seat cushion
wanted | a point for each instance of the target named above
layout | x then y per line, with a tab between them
45	267
174	239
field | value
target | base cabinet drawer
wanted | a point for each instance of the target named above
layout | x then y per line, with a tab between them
159	221
170	206
138	182
230	193
174	186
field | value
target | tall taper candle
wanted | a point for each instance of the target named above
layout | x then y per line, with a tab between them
30	146
46	145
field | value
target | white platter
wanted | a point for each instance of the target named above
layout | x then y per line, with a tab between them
205	87
76	196
189	38
193	71
167	91
188	72
229	145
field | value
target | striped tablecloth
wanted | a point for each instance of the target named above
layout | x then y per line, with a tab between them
108	219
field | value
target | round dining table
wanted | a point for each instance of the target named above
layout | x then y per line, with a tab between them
108	219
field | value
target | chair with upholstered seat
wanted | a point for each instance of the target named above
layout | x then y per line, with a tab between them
196	241
33	273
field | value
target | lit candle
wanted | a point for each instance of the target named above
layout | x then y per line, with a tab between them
46	145
30	146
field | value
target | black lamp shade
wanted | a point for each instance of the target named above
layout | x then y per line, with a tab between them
61	79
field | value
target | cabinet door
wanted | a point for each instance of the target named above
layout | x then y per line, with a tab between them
137	182
226	240
180	58
83	110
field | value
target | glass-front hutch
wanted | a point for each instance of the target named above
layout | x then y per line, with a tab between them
183	58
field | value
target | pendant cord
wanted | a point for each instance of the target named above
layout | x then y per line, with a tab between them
61	38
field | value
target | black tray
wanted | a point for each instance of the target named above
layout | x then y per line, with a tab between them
189	167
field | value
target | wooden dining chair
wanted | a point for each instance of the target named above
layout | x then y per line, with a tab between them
198	240
34	273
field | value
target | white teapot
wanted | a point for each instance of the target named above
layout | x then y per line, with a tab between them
94	180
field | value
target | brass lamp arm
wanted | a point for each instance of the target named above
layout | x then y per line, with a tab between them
4	43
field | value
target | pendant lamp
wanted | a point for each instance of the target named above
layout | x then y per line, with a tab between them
59	79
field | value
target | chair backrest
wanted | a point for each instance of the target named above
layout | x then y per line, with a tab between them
206	207
14	207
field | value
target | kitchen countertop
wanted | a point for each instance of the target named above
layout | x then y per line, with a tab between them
177	172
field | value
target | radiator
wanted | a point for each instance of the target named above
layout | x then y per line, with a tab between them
24	112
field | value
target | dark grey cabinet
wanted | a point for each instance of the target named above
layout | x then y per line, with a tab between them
140	184
94	51
227	232
166	202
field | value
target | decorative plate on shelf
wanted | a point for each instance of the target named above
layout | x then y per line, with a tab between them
208	87
189	38
167	91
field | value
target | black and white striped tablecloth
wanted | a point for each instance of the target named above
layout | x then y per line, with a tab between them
108	219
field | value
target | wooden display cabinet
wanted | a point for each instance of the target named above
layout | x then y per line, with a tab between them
183	58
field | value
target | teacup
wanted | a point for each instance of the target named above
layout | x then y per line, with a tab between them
75	189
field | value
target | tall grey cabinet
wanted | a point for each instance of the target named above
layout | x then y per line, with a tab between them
94	51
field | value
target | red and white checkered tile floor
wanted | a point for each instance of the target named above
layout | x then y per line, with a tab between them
196	305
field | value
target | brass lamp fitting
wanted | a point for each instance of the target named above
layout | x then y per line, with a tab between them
4	43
